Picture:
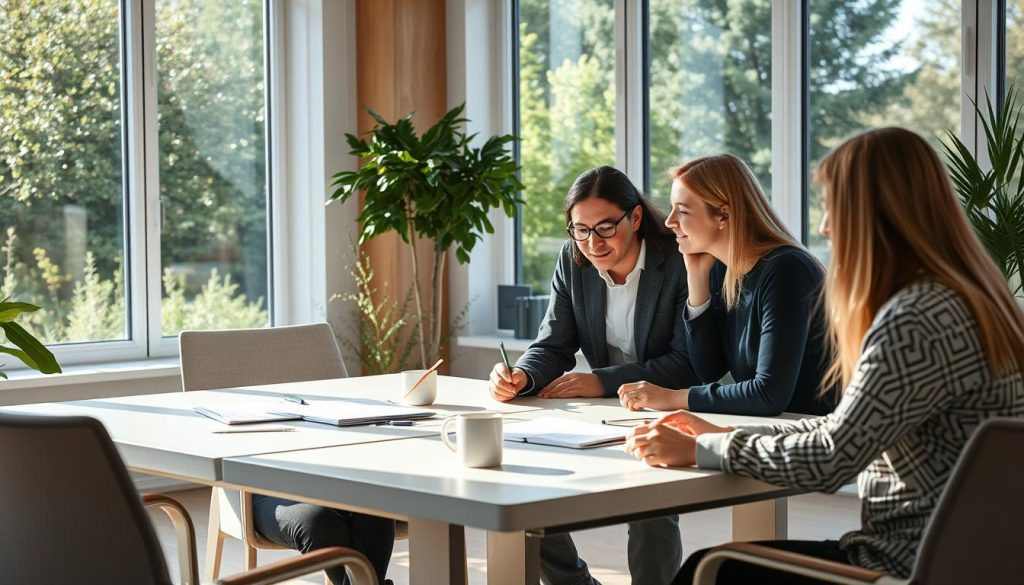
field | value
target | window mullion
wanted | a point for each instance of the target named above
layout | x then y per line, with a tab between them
979	69
788	120
137	212
151	175
629	98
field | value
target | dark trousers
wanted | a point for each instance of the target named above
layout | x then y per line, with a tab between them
654	550
742	573
305	527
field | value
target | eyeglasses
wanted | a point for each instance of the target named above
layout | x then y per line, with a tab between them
604	230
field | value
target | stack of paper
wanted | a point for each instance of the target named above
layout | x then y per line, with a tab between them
562	432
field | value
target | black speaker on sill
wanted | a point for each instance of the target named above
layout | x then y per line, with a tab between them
529	315
507	294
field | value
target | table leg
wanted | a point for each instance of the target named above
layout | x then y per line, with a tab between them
513	558
437	553
767	520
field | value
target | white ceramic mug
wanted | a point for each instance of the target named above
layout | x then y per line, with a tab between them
479	438
424	394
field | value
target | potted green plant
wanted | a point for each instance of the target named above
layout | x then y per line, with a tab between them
994	198
27	348
437	186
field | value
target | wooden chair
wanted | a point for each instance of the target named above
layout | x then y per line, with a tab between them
974	535
71	515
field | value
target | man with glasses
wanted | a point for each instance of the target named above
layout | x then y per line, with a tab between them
617	294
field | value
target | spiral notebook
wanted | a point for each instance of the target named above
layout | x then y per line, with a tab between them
563	432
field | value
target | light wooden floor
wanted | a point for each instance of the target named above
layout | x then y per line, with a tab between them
811	517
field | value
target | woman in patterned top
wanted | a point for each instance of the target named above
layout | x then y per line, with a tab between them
929	344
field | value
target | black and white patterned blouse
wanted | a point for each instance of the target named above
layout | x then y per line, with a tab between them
919	391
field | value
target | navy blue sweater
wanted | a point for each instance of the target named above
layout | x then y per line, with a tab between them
772	341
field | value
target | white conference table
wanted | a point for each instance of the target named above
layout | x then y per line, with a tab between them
406	472
161	435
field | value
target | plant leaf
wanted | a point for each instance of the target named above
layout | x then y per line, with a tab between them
40	358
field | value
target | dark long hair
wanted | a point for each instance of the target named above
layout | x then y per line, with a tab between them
613	185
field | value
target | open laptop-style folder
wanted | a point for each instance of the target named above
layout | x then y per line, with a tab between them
342	413
240	415
352	412
563	432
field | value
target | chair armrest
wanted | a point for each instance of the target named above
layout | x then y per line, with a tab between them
786	561
359	568
184	530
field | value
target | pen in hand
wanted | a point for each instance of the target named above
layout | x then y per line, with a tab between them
504	357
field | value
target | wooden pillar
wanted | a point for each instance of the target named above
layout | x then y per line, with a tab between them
400	69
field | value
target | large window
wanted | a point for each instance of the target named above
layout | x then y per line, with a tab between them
879	64
710	85
62	167
1014	46
776	83
566	115
213	237
133	174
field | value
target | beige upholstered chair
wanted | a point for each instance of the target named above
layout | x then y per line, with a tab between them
247	357
974	535
71	515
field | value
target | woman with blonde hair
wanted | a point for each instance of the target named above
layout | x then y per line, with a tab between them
754	306
930	344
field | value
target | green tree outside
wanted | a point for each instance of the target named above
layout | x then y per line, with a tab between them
61	165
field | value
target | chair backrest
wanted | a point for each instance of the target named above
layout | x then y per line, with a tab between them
977	529
244	357
68	510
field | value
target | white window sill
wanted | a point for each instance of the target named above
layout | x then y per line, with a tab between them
491	342
89	373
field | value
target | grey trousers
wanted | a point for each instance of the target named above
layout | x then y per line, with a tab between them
654	551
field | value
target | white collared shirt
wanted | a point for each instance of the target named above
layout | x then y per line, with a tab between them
620	310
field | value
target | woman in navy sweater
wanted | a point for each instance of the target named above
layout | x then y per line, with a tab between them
754	308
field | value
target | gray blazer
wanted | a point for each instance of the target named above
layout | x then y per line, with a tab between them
575	320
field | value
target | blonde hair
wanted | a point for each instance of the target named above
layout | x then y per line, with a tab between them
894	219
755	230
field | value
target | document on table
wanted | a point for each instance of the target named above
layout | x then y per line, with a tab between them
237	415
562	432
352	412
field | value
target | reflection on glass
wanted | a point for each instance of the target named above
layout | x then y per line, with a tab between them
710	85
880	63
212	140
566	115
61	167
1014	57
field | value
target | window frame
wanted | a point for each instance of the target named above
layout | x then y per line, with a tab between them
141	191
982	31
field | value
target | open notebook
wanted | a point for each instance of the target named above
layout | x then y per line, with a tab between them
563	432
351	412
